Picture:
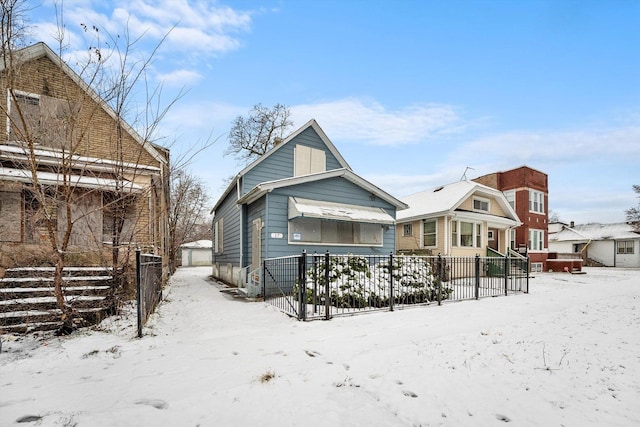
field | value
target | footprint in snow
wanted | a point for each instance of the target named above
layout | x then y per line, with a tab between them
156	403
503	418
312	353
29	419
409	393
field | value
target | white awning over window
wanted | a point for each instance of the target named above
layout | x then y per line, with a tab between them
337	211
50	178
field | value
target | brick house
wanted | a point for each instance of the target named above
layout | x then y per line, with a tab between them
81	140
527	190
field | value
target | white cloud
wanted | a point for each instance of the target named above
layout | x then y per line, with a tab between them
352	119
555	147
180	78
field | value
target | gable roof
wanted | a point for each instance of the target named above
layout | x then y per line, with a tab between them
596	231
310	124
265	187
445	199
41	49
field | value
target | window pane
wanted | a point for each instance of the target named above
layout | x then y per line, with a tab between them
466	234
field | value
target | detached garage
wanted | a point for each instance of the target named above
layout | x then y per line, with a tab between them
197	253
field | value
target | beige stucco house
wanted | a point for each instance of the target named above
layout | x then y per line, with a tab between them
459	219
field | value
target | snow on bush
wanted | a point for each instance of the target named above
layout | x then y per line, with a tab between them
354	282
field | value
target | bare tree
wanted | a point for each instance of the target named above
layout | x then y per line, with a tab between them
633	214
250	137
52	126
188	214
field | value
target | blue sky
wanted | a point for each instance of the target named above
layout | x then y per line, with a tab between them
412	93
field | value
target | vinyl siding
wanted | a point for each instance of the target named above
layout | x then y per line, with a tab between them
229	211
279	164
336	190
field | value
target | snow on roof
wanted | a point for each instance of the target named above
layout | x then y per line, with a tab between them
596	231
198	244
442	198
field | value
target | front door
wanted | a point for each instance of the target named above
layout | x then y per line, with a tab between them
492	238
256	244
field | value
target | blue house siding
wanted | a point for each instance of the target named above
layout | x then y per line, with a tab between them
229	212
333	190
279	165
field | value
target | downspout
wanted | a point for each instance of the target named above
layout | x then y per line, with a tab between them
241	256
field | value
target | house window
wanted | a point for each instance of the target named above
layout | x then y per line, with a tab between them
24	114
481	205
536	267
42	119
536	201
490	235
536	240
625	247
466	234
512	239
430	231
218	236
308	160
510	195
118	217
407	230
330	232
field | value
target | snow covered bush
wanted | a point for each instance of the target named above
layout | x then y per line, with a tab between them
354	282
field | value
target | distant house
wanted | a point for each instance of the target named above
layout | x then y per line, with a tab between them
198	253
300	195
527	191
610	245
461	219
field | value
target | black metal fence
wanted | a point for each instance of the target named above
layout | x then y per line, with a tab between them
148	285
314	286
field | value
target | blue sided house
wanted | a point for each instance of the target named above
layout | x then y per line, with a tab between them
300	195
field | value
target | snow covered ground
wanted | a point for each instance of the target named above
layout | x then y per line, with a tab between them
567	354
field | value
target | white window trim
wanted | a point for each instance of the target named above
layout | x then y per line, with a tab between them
218	228
481	199
533	194
510	194
536	267
476	244
541	234
422	232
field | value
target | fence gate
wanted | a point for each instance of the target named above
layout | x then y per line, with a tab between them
148	285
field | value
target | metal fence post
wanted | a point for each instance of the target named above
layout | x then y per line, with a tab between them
327	292
506	273
138	292
264	279
391	281
527	266
439	279
302	279
477	268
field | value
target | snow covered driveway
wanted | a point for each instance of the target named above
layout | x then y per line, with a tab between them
566	354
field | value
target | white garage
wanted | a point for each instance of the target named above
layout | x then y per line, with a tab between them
197	253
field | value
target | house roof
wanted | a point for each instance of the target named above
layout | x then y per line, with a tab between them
198	244
310	124
445	199
41	49
265	187
596	231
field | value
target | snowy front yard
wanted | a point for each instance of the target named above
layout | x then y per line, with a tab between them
567	354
